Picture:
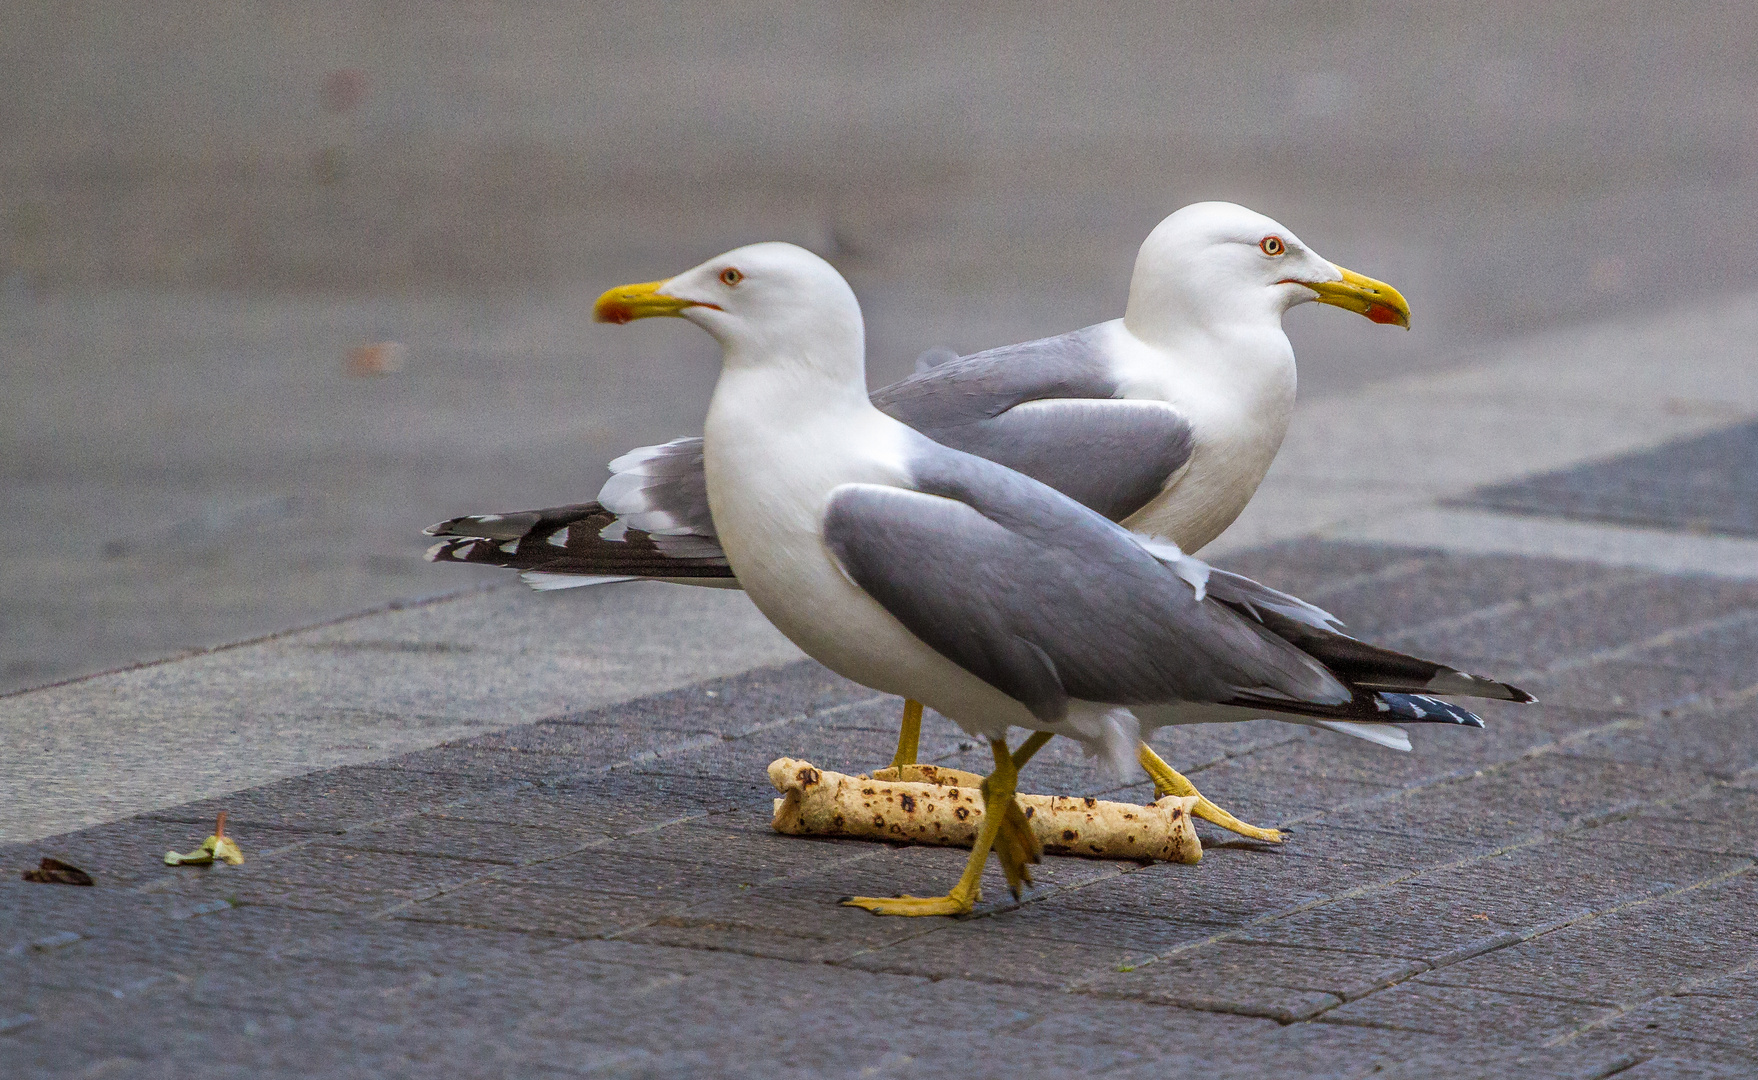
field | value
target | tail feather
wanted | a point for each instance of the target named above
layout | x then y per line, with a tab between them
1357	663
568	542
1369	707
1390	736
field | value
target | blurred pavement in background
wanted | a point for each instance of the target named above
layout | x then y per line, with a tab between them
206	206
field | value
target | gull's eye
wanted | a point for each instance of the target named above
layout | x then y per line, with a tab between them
1272	245
731	276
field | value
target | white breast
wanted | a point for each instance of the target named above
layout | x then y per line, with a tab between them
771	466
1238	394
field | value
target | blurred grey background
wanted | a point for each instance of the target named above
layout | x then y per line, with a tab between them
204	207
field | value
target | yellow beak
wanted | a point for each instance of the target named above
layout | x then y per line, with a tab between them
626	303
1361	294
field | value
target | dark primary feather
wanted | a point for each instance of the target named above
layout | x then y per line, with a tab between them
563	540
1316	633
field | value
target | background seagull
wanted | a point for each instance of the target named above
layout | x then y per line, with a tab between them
1165	420
924	571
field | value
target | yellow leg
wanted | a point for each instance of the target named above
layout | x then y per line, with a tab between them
1031	746
998	792
1016	845
1169	781
909	736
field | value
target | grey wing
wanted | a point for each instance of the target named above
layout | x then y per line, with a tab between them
1049	409
1046	601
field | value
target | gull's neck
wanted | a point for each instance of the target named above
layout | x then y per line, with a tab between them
782	379
1234	380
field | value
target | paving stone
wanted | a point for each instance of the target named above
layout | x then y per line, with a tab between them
1723	820
1254	978
645	919
321	877
1703	484
1634	685
1543	793
334	799
1543	883
544	909
982	952
1230	888
733	705
1378	853
1624	613
1635	954
1323	1050
578	748
624	874
132	852
1704	741
1447	1010
847	750
731	845
1307	568
470	840
1727	1021
1682	1068
1454	591
1411	919
1072	917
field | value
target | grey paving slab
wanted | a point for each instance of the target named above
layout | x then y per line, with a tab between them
359	691
1708	484
597	890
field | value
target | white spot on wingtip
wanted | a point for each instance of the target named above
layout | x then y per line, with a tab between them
559	538
510	547
433	553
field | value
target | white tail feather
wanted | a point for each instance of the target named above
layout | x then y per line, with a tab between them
1390	736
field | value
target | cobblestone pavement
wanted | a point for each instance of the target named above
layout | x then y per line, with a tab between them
1566	893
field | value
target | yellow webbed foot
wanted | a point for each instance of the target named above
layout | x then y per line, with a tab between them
911	905
1169	781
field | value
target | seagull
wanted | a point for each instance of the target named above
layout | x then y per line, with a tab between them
921	570
1164	420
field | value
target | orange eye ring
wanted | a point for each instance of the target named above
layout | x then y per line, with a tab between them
731	276
1272	246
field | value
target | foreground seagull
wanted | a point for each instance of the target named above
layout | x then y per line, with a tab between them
924	571
1165	420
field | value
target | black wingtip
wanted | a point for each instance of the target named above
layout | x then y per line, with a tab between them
1420	708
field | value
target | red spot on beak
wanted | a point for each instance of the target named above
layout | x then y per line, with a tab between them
1382	314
